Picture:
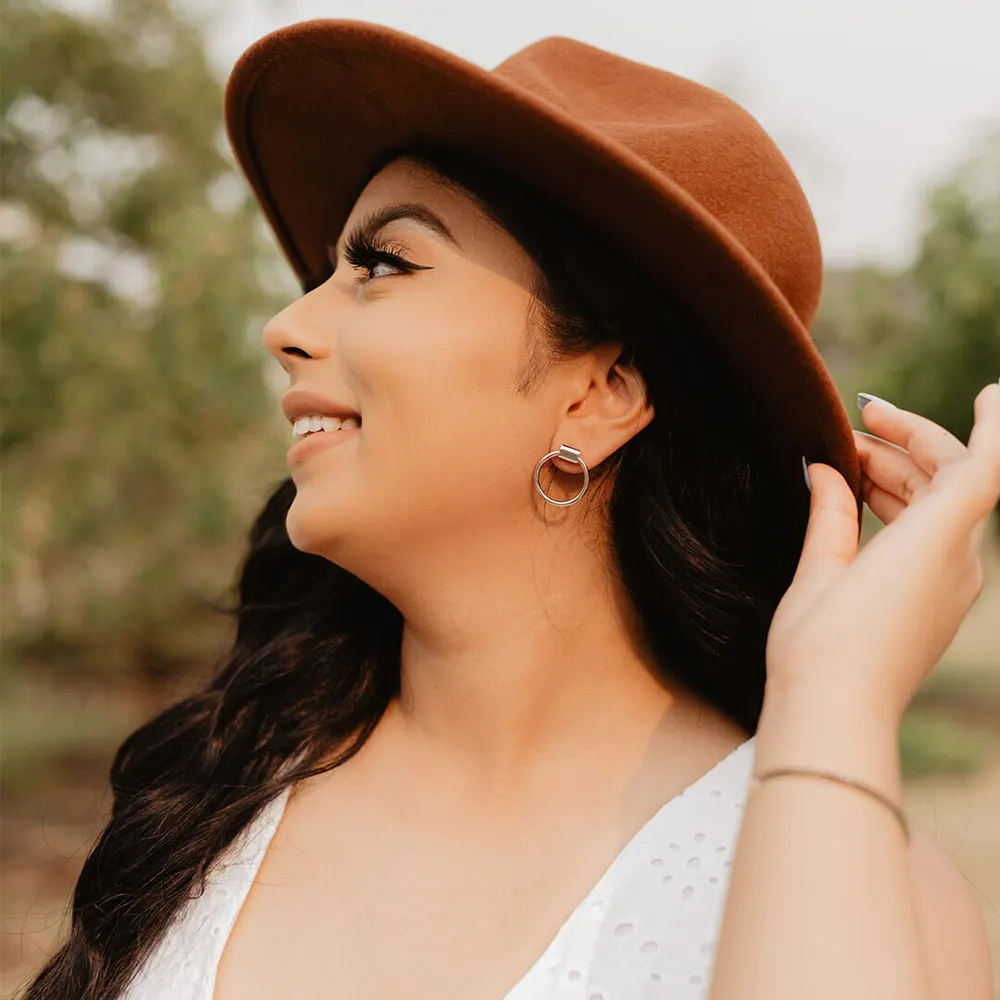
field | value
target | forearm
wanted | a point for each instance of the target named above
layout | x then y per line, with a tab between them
819	900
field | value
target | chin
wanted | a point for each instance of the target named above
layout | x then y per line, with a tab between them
312	527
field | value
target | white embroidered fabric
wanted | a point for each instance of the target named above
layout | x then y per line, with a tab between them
647	930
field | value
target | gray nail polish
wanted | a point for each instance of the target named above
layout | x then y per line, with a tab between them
864	398
805	473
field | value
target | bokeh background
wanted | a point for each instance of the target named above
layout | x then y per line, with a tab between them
140	428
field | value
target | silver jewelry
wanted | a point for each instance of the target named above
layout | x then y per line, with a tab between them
757	779
573	454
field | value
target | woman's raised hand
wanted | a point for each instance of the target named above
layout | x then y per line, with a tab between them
875	622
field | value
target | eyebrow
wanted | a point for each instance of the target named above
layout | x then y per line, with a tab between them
381	217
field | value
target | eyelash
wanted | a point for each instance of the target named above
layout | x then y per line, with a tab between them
363	253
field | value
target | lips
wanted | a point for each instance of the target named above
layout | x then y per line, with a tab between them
318	441
303	403
325	415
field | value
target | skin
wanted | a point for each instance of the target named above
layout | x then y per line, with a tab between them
861	913
533	738
437	485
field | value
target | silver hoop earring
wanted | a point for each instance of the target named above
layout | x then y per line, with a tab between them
573	454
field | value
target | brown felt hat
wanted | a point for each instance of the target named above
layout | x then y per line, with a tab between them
646	157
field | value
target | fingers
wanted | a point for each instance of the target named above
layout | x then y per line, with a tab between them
884	505
890	477
831	539
929	444
964	486
984	441
980	479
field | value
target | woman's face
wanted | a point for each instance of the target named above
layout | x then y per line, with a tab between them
430	359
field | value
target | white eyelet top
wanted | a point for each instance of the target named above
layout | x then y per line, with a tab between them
647	930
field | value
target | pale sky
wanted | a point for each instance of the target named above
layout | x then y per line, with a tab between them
870	100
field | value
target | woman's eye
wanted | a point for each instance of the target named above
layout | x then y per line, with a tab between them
373	259
378	262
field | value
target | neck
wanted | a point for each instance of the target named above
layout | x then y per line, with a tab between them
519	660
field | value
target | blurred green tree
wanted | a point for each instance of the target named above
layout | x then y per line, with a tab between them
138	435
927	337
946	346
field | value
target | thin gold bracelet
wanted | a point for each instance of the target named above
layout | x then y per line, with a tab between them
757	779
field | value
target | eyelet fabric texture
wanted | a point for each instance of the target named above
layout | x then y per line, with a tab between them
647	930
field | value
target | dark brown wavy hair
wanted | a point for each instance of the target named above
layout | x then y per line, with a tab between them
315	656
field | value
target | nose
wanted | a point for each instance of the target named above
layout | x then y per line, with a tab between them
298	332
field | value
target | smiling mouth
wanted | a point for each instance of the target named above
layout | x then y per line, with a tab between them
303	427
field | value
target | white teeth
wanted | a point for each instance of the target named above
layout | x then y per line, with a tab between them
316	422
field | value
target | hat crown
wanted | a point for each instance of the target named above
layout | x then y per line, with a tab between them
699	139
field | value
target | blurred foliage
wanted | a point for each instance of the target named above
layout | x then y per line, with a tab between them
932	743
138	437
927	337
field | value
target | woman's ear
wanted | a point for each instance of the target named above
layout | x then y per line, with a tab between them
617	410
619	386
633	389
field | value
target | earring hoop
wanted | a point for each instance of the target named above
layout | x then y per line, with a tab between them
573	454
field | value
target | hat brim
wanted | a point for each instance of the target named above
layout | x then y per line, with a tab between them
311	106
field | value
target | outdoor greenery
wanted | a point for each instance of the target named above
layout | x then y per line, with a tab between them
927	337
139	435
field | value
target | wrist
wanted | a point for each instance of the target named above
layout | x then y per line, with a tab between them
821	726
837	692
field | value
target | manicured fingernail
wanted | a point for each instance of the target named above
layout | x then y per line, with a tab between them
864	398
805	473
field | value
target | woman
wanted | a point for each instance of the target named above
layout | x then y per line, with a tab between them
498	684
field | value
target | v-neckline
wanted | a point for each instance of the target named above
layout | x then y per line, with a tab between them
275	809
598	888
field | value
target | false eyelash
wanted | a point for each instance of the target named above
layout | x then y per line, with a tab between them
362	252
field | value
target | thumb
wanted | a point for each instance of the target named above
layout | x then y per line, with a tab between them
832	534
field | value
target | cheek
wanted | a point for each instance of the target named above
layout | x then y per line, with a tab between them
445	440
450	436
430	463
449	431
445	422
